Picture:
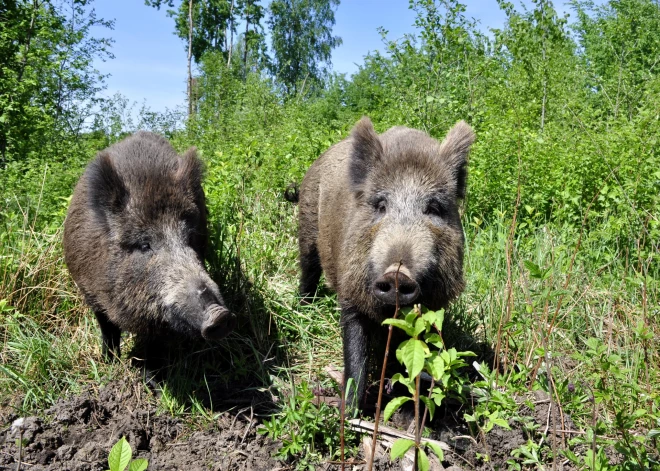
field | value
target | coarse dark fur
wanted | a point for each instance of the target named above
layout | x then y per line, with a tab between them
134	242
376	211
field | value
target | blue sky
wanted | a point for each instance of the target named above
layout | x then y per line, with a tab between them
150	61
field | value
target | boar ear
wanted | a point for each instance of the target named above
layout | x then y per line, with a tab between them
367	150
455	149
109	193
191	169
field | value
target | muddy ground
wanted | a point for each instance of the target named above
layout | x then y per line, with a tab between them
77	433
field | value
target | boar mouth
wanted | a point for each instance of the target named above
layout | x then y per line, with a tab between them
219	322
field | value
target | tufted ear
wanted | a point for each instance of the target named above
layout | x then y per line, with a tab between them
366	152
191	169
108	191
454	150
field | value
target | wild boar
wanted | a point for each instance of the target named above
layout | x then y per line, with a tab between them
374	206
134	242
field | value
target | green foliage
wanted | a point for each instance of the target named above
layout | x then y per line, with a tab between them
443	365
120	457
629	404
214	24
566	291
48	85
309	429
302	41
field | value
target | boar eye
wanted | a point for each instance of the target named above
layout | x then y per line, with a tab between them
143	247
381	206
434	208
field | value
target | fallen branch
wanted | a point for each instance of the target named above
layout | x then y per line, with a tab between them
389	434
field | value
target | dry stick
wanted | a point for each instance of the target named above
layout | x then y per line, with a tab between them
417	430
509	282
342	417
20	449
370	462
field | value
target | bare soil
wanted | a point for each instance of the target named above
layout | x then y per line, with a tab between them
76	434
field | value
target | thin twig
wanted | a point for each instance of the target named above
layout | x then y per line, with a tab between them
342	418
20	449
370	463
417	430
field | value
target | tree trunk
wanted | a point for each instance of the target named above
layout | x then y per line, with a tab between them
231	32
190	34
245	40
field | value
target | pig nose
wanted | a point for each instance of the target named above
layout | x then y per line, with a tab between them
219	322
385	288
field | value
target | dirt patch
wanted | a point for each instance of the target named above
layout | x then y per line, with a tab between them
76	434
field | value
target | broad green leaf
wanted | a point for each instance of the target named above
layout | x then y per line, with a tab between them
120	455
422	460
435	340
436	449
410	318
638	413
401	324
413	355
400	447
466	354
397	377
393	405
419	327
501	422
429	404
437	318
436	367
399	351
533	268
438	396
138	465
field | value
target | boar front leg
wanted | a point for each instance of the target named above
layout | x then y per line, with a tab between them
110	335
310	271
355	327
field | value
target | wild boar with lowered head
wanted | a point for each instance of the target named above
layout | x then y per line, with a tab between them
374	206
134	242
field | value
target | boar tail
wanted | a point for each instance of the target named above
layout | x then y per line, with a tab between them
292	193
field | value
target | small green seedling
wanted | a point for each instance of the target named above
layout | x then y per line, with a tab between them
425	352
120	457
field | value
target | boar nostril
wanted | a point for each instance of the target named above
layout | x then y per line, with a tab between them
407	289
219	322
385	288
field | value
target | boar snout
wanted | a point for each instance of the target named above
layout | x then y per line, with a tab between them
219	322
385	287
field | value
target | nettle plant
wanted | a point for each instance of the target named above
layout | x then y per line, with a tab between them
425	353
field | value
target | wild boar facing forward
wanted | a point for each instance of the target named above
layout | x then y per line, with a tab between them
134	241
373	206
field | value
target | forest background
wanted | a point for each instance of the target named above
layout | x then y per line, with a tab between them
561	218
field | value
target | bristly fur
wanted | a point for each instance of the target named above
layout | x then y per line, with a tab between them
374	201
135	237
366	151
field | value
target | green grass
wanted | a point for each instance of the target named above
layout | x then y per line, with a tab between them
532	302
